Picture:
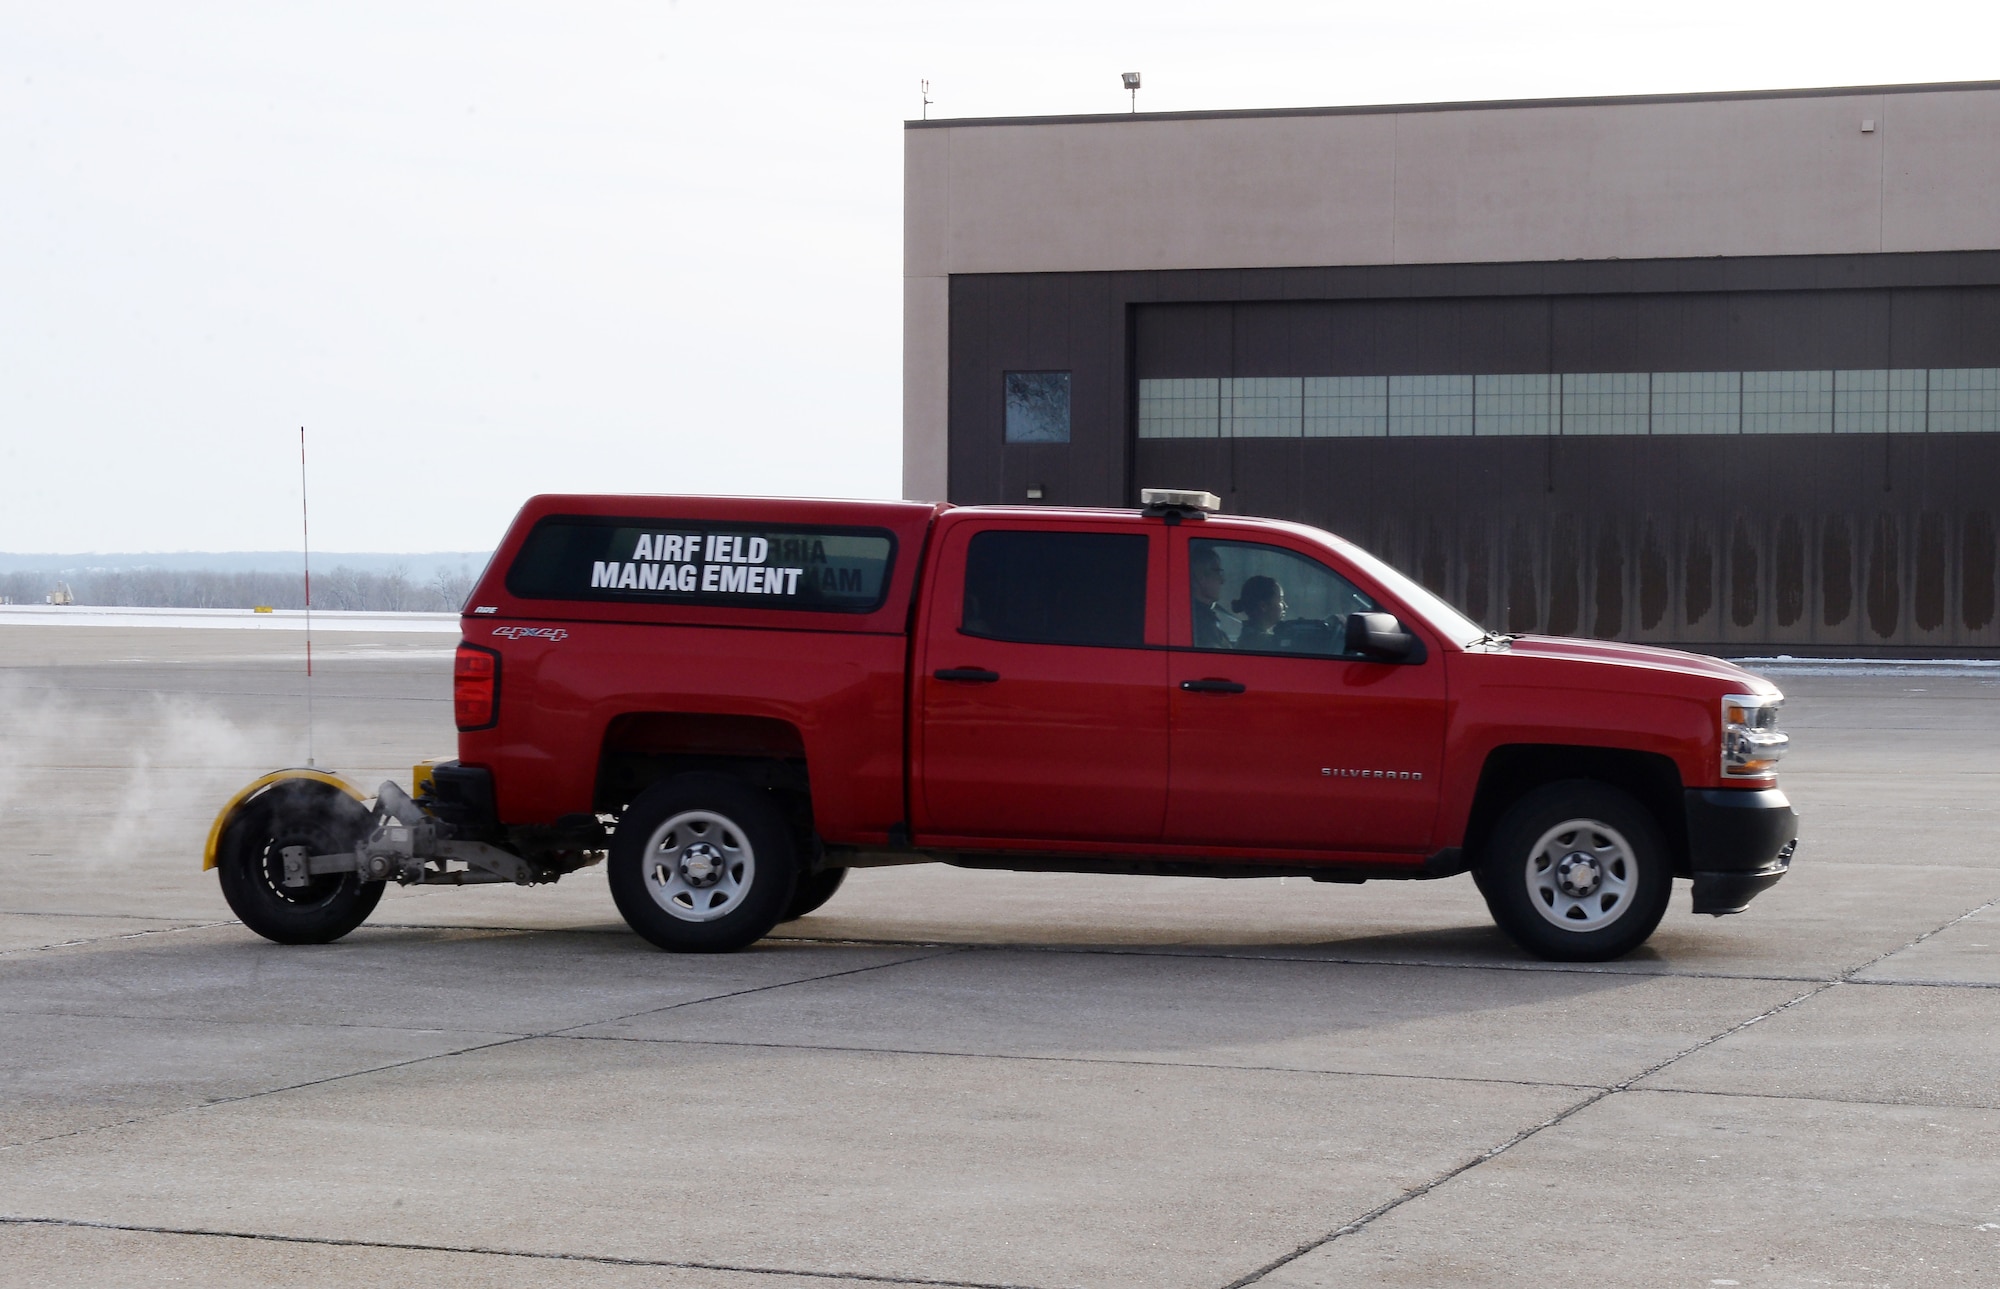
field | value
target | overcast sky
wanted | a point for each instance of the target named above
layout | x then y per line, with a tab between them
482	250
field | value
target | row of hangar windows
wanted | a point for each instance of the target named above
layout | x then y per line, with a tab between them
1889	401
1942	400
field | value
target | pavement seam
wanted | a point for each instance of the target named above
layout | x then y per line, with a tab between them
600	1259
107	939
58	913
1082	951
1533	968
1274	1069
1624	1085
265	1092
1197	955
567	1030
439	1056
621	931
1848	976
1426	1187
1922	984
1821	1100
1068	1060
264	1022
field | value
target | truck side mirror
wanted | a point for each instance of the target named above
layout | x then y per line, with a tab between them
1380	638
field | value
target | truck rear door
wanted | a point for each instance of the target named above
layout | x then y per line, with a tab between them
1042	686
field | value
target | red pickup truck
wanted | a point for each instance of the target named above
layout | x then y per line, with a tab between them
732	702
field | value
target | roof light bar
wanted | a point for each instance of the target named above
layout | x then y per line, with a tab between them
1184	502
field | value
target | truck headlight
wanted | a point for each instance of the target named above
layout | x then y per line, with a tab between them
1751	739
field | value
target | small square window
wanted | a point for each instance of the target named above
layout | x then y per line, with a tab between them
1037	406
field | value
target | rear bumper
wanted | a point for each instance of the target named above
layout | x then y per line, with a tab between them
462	795
1740	843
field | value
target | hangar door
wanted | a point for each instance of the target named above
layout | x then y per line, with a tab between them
1718	470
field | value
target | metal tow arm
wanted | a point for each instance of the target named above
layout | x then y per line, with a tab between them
404	844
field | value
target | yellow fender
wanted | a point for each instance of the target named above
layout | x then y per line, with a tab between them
257	786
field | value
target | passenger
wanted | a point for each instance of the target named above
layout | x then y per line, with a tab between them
1262	605
1204	588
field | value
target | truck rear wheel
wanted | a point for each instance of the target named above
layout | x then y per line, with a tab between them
1577	872
814	889
702	863
251	863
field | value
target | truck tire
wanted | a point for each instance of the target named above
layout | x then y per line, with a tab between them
814	889
703	863
250	862
1577	872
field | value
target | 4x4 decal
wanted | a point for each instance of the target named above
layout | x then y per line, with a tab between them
532	633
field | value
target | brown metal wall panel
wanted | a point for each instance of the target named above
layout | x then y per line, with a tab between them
1945	328
1190	340
1265	342
1838	621
1038	322
1655	578
1976	571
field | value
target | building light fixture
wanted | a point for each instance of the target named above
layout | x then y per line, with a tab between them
1131	80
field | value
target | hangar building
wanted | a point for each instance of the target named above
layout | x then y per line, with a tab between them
1719	370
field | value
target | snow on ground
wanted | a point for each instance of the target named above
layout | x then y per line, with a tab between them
86	615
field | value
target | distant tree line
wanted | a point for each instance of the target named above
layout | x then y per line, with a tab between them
337	588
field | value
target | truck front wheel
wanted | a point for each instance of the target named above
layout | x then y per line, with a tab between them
251	863
1577	872
702	863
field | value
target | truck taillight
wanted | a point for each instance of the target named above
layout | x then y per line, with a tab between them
475	688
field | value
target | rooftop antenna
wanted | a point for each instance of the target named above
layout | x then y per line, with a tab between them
924	88
1131	80
305	534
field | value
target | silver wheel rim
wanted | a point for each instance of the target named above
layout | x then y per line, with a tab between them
1581	875
699	865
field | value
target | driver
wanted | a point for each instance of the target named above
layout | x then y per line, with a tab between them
1204	588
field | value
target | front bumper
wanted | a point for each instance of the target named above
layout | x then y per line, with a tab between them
1740	842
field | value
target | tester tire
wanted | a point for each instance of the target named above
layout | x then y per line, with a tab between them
703	863
814	890
250	862
1577	872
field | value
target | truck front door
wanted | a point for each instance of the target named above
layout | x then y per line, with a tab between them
1042	686
1283	739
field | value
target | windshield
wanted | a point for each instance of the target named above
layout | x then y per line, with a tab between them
1425	603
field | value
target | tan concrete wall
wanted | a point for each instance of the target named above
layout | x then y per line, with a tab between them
1780	176
926	362
1941	171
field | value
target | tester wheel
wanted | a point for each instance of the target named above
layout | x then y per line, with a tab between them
251	863
703	863
814	890
1577	872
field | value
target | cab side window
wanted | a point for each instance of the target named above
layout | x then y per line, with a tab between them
1056	588
1253	598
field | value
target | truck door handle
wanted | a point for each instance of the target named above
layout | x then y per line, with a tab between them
1213	686
971	675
